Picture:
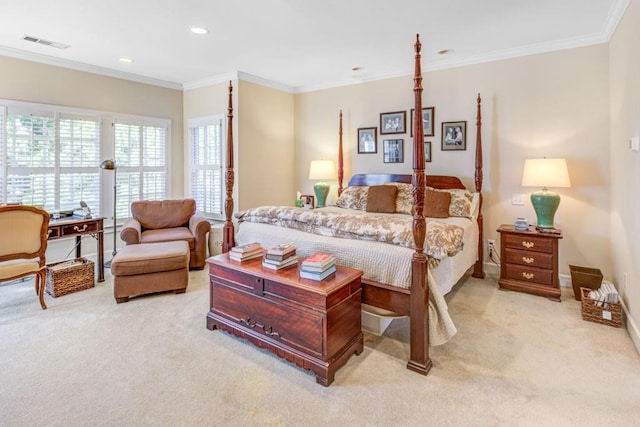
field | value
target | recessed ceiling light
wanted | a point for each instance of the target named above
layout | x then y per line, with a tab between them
199	30
126	60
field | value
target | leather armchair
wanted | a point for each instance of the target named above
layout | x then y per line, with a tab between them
156	221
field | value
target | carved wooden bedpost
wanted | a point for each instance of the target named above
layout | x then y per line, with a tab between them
228	238
419	360
478	270
340	159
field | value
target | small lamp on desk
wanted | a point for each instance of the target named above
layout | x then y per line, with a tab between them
545	173
321	170
111	165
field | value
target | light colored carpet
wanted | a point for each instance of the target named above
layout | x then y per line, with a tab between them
516	360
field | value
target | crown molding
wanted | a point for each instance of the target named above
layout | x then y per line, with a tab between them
211	81
79	66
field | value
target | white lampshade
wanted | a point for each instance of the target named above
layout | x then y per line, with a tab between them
322	170
545	173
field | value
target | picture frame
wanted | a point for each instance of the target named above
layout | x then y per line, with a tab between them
308	201
393	150
428	120
427	151
454	136
367	140
394	122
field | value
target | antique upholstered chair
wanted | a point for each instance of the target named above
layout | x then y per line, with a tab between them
23	245
155	221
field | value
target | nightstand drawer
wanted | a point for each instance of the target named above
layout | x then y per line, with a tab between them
529	258
527	274
529	243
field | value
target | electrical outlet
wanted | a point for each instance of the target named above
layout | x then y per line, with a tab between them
624	281
491	246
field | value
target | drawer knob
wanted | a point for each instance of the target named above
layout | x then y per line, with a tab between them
528	245
527	259
528	276
78	229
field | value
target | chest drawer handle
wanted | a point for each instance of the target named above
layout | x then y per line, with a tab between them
528	245
268	330
527	259
528	276
78	230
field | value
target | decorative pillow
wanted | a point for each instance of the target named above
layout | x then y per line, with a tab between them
354	197
404	197
381	199
460	202
436	204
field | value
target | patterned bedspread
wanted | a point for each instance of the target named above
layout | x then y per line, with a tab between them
442	240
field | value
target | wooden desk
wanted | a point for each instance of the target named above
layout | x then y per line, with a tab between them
74	227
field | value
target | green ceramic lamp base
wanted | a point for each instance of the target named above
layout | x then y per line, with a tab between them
322	191
545	203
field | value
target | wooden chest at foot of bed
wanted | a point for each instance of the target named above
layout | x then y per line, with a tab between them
314	324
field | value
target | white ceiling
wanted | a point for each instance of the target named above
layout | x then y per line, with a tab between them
296	45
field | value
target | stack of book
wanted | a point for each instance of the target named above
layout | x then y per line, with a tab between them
280	256
318	266
246	252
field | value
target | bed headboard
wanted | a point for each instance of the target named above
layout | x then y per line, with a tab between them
433	181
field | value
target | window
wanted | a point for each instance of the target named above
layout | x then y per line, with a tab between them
141	160
206	169
49	159
50	156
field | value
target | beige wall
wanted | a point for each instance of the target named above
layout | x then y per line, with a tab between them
550	105
266	152
45	84
624	108
263	139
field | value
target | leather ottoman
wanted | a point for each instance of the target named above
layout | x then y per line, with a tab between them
150	267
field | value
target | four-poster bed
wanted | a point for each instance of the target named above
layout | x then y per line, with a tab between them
380	288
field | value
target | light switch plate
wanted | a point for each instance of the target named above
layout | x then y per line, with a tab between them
517	199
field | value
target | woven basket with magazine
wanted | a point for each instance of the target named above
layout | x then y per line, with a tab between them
69	276
607	313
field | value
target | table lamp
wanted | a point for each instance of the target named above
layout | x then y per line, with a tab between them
545	173
111	165
321	170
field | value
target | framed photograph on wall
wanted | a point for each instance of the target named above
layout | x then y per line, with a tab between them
367	140
454	136
393	150
395	122
428	120
427	151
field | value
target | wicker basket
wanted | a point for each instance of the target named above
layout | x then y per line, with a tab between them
610	314
69	276
584	277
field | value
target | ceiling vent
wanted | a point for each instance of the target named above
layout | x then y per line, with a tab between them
45	42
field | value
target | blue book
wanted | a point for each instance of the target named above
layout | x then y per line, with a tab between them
317	276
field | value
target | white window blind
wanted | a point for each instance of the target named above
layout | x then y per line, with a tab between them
50	156
141	158
206	169
48	159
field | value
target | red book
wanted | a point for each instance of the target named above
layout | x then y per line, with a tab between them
319	260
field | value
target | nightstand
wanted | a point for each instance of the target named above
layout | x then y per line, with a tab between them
529	261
